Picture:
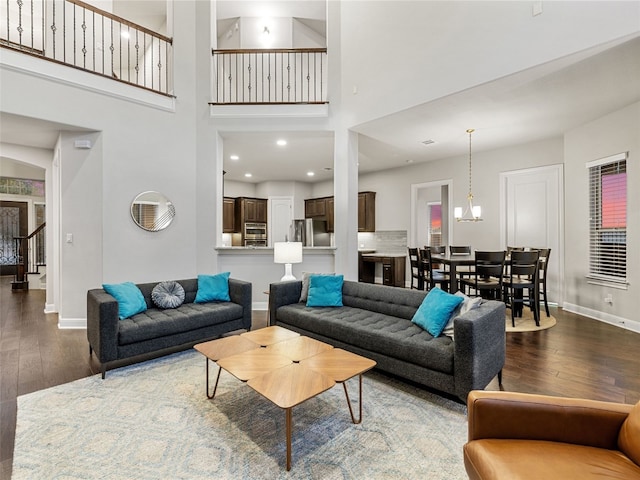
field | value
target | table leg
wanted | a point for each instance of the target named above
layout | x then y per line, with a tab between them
210	397
288	422
453	278
353	419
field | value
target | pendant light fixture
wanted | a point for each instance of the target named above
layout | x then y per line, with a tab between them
472	213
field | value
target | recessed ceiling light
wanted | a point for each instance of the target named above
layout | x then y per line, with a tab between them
281	143
125	34
248	175
310	174
234	157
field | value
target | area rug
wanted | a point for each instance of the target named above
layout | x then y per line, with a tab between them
526	323
153	421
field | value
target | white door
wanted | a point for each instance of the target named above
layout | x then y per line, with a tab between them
280	217
531	216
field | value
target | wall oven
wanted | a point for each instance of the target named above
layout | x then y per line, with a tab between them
255	234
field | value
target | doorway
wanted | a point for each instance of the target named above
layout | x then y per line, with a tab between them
423	197
14	222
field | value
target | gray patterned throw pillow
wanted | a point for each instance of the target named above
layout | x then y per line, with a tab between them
168	294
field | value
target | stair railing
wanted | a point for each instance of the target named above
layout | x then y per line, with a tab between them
31	254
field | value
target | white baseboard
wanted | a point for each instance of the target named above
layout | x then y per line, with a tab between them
50	308
72	323
260	306
603	317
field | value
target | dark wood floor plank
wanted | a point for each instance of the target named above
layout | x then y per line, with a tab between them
579	357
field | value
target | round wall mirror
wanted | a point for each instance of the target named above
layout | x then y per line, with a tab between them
152	211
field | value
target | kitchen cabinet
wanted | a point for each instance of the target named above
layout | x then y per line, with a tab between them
252	210
329	210
324	208
229	215
367	211
393	268
315	207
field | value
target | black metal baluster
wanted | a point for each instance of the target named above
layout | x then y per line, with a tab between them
84	38
137	47
53	28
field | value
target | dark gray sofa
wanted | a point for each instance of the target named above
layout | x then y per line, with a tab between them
375	322
158	332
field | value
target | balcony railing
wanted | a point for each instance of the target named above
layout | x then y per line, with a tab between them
264	77
80	35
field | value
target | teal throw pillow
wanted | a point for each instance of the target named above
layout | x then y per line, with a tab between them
213	288
129	297
435	311
325	291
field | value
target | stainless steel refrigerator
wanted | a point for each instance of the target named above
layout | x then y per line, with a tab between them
311	232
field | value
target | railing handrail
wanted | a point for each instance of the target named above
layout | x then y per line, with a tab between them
37	230
269	50
121	20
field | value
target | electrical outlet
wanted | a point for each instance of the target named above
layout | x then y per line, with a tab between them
608	299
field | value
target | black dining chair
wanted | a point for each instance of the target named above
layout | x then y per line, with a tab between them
463	271
433	277
487	278
437	250
417	276
523	277
543	263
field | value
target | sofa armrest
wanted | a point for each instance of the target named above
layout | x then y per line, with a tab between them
514	415
102	324
480	347
240	293
283	293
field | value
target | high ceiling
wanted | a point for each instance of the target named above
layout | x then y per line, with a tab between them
542	102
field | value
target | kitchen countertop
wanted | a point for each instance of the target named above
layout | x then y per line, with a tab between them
384	254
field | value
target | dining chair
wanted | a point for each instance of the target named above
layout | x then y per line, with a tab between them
487	278
523	275
542	276
437	250
460	249
417	276
463	271
433	277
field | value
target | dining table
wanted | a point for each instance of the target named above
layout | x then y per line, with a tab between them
453	261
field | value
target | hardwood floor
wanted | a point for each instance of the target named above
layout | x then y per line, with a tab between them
579	357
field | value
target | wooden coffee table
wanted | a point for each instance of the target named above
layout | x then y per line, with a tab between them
285	368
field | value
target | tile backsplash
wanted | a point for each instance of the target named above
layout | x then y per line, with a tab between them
390	241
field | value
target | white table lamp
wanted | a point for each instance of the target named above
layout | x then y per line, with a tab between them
287	253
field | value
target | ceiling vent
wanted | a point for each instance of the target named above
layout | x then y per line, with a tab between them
428	142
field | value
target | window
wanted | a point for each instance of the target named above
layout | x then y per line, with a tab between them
608	219
435	224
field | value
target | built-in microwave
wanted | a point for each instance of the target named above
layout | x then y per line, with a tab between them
255	243
255	232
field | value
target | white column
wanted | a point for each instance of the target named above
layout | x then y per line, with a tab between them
345	184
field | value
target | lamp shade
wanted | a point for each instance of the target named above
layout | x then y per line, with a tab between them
287	252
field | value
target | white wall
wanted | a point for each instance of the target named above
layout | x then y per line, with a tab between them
615	133
412	52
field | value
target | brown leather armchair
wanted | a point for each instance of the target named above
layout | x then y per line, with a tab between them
520	436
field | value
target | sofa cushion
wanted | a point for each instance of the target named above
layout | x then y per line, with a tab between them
397	302
435	311
129	297
154	322
377	332
168	294
325	291
304	293
512	459
629	437
213	288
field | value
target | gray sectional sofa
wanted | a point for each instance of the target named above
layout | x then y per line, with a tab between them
156	331
375	322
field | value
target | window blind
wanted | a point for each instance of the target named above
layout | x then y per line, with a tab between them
608	218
